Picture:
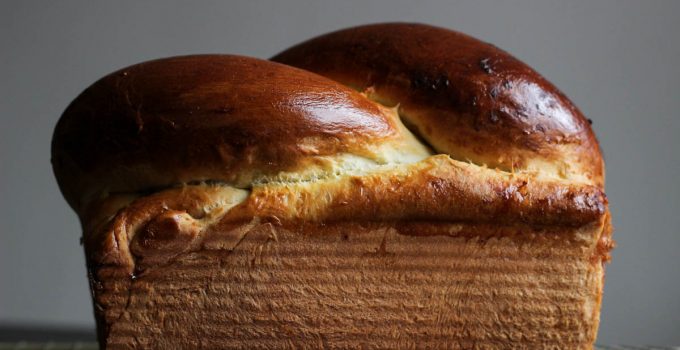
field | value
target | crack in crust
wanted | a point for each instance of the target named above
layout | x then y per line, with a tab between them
153	229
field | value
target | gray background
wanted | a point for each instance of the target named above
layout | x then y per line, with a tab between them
618	60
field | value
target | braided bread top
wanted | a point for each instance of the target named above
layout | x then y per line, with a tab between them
436	126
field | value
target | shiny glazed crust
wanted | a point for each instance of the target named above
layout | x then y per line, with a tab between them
465	97
419	139
208	118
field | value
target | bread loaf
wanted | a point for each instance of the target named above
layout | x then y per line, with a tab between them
405	186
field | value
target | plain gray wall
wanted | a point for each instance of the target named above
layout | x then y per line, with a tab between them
618	60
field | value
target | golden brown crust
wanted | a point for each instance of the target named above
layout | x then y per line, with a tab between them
363	285
467	98
179	164
209	117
